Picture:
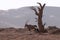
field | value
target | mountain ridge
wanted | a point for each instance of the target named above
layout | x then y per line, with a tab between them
18	17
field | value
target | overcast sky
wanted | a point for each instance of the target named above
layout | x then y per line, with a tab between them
12	4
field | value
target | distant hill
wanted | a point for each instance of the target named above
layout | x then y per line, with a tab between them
18	17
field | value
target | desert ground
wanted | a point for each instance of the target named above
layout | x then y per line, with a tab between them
23	34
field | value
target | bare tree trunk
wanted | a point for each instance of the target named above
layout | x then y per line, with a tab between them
40	22
41	29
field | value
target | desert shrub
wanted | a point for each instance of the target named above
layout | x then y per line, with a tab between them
52	27
53	30
2	29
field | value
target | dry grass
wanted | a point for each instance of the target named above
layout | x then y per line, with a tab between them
22	34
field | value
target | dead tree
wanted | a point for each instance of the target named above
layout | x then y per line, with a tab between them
39	13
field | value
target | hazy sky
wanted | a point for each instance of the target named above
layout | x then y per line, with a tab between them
12	4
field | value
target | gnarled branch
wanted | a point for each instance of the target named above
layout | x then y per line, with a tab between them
43	6
34	9
39	9
39	4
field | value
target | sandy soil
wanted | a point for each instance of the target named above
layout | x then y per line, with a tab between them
22	34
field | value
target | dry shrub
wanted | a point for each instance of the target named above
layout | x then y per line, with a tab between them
53	30
2	29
